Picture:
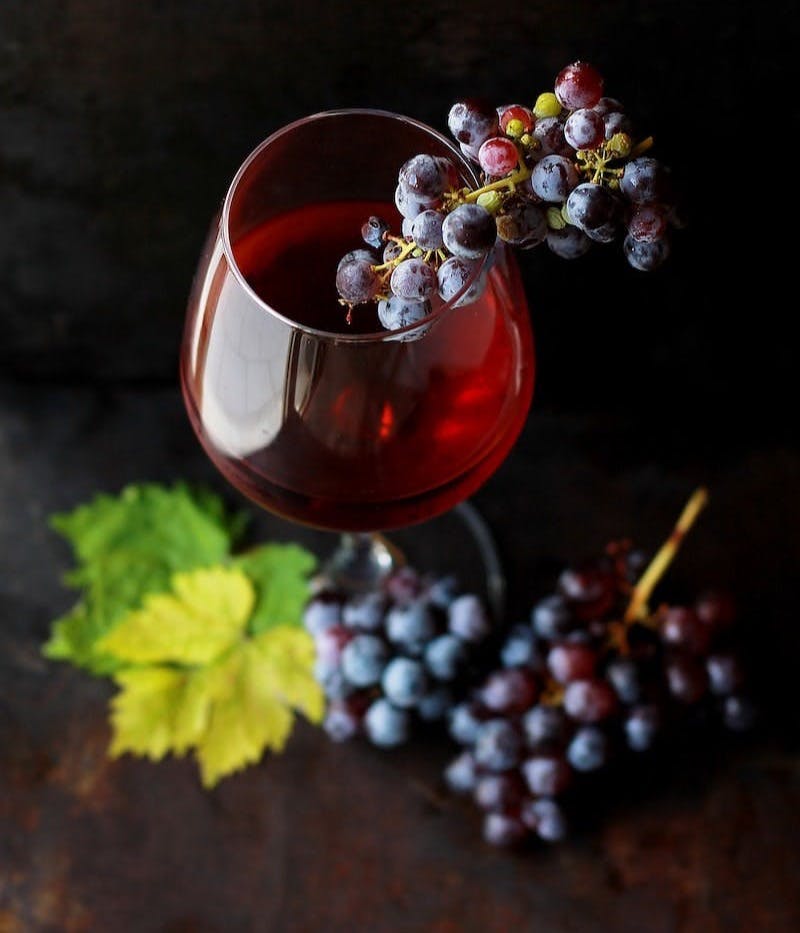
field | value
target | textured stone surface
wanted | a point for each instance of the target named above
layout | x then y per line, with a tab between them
336	838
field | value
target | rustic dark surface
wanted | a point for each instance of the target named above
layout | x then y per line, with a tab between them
328	838
120	127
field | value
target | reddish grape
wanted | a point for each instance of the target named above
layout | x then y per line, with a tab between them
516	112
498	156
589	700
546	775
578	85
648	223
568	662
510	690
681	627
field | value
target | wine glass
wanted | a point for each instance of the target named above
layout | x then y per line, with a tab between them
327	419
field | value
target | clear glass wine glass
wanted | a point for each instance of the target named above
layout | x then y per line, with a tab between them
334	423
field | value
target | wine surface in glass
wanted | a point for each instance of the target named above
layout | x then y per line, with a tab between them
347	434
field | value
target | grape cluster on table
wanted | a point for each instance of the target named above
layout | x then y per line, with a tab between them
534	709
575	689
566	171
395	657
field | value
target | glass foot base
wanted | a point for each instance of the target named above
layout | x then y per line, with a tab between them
457	543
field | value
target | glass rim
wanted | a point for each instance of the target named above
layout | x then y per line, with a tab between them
336	336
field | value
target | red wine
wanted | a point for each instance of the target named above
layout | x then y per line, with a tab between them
349	434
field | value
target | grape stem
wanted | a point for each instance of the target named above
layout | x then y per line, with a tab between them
509	181
637	607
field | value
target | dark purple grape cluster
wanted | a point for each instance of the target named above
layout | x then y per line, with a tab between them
567	172
395	657
592	675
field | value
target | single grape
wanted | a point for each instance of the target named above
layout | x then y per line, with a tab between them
409	204
546	818
469	231
686	679
546	106
588	749
426	230
413	279
515	112
608	105
467	618
716	609
569	242
568	662
623	675
392	249
544	726
364	612
320	614
343	719
498	746
363	660
725	675
454	275
472	121
445	655
645	257
521	649
499	792
464	723
590	587
498	156
329	644
739	713
614	123
461	775
394	312
584	129
442	591
503	829
422	177
404	682
546	775
578	85
387	726
521	223
649	222
642	726
373	231
552	617
364	254
410	625
357	281
589	700
681	627
589	206
509	690
549	132
644	180
553	177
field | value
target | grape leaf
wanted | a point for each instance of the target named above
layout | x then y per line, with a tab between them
208	684
279	572
203	616
127	546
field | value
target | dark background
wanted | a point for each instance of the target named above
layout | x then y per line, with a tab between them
121	124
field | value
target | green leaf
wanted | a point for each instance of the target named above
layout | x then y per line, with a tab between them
198	622
127	546
280	575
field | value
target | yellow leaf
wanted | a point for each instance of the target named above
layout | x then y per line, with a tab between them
142	712
286	655
229	711
195	624
247	719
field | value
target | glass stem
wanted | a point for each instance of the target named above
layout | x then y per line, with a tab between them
361	560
